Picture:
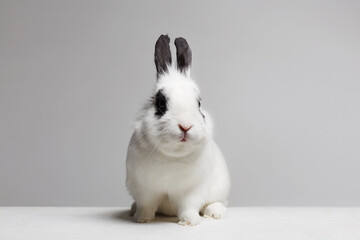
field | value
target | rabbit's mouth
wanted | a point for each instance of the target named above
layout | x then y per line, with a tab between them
184	137
180	145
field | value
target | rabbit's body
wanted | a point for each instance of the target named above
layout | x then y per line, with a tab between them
202	174
174	166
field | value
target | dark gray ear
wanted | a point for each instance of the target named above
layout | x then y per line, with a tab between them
162	54
183	54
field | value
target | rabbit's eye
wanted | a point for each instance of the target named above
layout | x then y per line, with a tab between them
160	104
199	102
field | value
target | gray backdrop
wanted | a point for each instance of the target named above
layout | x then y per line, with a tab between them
281	80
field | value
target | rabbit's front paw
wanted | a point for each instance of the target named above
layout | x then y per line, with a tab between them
189	218
143	217
215	210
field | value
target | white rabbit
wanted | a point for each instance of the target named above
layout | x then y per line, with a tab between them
173	165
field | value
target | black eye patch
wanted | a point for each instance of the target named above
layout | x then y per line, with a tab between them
160	104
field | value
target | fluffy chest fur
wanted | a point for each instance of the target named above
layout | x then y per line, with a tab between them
165	174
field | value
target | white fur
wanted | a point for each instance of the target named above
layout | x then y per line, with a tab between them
172	177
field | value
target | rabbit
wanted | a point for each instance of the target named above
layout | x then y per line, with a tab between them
173	165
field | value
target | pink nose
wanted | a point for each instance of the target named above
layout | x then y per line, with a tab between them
184	129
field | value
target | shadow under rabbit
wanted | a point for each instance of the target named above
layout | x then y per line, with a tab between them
124	216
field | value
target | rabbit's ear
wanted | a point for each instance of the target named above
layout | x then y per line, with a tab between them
183	55
162	54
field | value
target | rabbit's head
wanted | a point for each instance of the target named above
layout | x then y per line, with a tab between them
173	121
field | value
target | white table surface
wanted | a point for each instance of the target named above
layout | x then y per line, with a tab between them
244	223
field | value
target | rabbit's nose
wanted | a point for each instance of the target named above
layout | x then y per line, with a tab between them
184	128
